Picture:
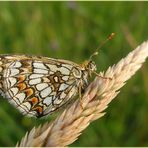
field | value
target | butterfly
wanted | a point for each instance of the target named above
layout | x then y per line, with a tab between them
38	86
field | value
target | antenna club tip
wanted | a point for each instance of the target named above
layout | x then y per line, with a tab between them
96	53
111	35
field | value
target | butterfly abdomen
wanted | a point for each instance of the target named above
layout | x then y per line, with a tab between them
1	77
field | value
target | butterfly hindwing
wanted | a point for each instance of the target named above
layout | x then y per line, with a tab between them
38	86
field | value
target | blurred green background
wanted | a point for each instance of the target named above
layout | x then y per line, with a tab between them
72	31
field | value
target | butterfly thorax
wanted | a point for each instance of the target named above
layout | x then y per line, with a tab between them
88	67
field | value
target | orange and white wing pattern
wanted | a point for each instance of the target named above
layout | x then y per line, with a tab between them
37	86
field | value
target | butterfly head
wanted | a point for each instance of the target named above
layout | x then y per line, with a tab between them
90	66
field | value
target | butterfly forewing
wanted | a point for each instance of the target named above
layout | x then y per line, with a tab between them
37	86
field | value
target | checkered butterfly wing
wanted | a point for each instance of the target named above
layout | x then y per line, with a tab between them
37	86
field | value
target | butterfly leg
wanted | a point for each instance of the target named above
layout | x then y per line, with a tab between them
101	76
80	96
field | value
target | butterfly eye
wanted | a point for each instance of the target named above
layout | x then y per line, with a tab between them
77	73
92	66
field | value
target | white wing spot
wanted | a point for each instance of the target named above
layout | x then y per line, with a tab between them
14	72
16	100
40	71
64	71
14	90
27	105
33	76
63	95
41	86
21	97
68	66
7	73
65	78
39	65
56	79
51	72
12	81
45	92
57	101
35	81
63	87
16	64
48	100
52	67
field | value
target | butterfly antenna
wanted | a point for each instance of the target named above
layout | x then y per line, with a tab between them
109	38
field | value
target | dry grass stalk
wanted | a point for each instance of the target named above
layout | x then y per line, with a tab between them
68	126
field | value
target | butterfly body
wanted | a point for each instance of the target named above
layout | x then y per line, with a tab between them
38	86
